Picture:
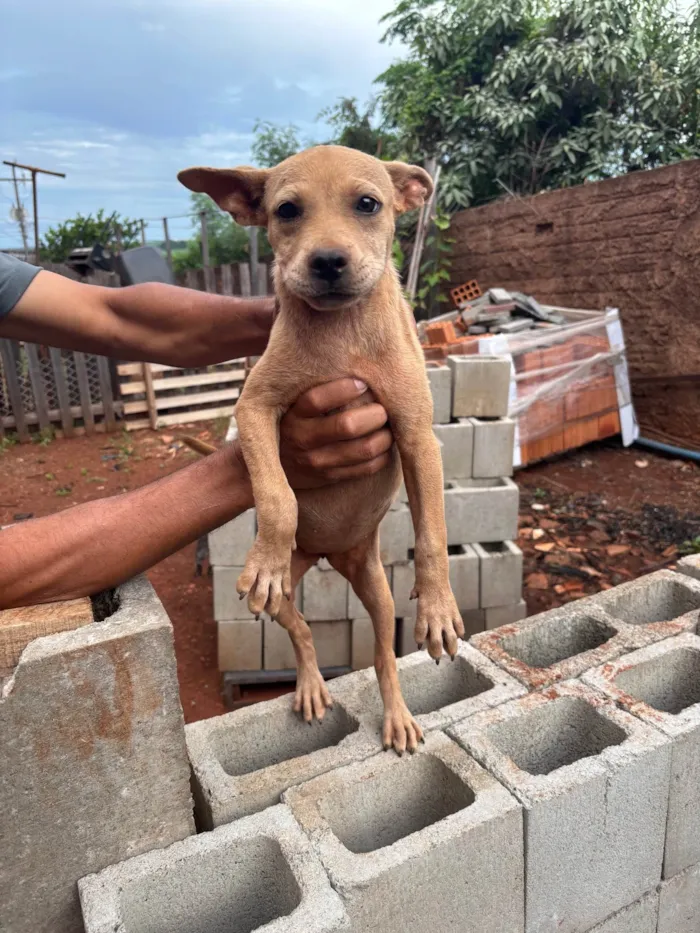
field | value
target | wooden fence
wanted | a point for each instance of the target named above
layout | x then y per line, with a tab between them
43	388
77	393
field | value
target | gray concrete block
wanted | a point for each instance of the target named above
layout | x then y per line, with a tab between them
500	573
228	606
594	783
259	873
497	616
464	580
493	447
396	536
437	695
654	606
240	645
355	609
325	594
428	841
679	903
660	684
640	917
440	379
690	566
564	643
362	655
332	641
481	510
456	448
243	761
229	544
480	386
94	766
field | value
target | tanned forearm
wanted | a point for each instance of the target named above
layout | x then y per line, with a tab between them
154	322
108	541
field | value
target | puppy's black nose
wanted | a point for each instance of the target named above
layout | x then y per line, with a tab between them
328	264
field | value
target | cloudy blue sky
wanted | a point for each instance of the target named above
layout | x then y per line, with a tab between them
121	94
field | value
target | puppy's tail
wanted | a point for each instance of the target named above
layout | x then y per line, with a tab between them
195	444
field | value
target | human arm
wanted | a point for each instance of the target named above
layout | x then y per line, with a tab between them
152	322
100	544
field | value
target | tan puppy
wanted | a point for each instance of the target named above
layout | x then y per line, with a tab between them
330	214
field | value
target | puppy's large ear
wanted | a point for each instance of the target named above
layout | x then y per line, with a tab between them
240	191
412	185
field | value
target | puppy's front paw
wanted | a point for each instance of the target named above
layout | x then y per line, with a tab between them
439	621
266	578
400	732
312	698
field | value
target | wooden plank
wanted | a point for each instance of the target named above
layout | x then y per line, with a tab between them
209	280
226	280
182	401
55	415
62	392
41	405
262	279
253	243
150	395
106	392
168	245
13	389
181	417
244	272
181	382
84	388
19	627
191	279
135	369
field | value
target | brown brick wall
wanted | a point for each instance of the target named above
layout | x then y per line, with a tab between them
632	243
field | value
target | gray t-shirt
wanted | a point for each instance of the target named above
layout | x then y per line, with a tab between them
15	278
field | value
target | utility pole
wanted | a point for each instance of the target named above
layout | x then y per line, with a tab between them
21	216
34	172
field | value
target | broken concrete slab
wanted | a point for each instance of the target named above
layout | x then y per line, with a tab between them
594	783
243	761
661	685
94	764
408	840
259	873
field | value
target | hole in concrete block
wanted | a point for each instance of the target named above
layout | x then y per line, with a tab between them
237	889
555	735
660	601
105	604
495	547
669	683
278	736
375	813
557	639
427	687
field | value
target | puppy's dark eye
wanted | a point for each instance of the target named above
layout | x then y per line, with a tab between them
367	205
288	211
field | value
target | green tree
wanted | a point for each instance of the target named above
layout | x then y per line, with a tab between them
228	242
106	229
524	95
358	129
273	143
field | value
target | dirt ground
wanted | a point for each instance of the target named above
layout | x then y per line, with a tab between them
589	520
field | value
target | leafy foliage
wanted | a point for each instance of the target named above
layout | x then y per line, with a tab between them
358	129
524	95
435	268
105	229
273	143
228	242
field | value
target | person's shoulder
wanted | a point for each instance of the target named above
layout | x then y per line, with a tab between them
15	278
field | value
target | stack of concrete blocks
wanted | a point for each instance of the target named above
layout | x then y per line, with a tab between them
93	766
558	791
470	401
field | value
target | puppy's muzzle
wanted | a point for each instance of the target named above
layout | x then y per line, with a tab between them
328	267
